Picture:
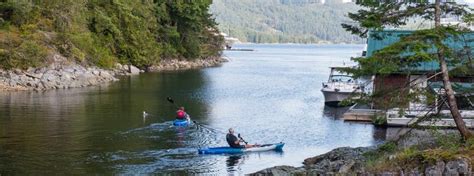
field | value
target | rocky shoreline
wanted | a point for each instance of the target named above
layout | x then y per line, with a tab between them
361	160
63	74
352	161
176	64
343	160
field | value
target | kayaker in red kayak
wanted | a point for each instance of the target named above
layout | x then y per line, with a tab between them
234	142
181	114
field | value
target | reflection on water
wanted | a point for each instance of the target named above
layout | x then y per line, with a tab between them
335	112
270	95
233	163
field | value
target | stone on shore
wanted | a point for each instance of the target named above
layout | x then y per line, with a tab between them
281	170
63	74
351	161
340	160
134	70
54	77
175	64
336	162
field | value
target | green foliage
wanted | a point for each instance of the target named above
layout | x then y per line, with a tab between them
388	156
374	157
98	32
382	150
388	147
410	157
379	119
187	28
21	53
412	50
448	141
18	12
470	144
284	21
376	15
127	28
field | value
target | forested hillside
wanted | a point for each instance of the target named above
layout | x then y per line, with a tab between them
294	21
104	32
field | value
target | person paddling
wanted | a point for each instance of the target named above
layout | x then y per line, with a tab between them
234	142
181	114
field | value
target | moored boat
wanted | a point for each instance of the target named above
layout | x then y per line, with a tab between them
444	118
230	150
339	87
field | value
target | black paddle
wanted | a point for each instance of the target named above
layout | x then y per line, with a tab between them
171	101
199	124
242	139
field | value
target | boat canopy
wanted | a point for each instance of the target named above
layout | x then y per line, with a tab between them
460	88
464	94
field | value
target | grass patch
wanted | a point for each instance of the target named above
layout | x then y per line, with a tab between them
374	159
390	158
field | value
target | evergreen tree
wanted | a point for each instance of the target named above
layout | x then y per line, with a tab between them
420	46
104	32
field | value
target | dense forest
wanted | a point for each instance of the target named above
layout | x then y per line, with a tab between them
284	21
105	32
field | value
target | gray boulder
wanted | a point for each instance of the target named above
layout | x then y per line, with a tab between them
134	70
460	166
280	170
340	160
435	169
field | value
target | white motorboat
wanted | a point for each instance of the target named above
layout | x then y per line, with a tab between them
339	87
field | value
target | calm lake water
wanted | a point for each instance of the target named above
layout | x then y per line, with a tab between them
269	95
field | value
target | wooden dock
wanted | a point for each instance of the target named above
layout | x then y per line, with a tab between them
360	114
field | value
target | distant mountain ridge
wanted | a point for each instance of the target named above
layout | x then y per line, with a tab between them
285	21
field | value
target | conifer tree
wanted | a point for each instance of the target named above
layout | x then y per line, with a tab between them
423	45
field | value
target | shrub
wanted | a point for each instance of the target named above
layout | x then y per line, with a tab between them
27	54
379	119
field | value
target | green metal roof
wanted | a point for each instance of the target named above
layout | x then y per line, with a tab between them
380	39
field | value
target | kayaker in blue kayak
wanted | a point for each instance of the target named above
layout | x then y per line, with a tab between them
181	114
234	142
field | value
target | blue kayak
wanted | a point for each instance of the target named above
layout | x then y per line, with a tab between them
230	150
181	122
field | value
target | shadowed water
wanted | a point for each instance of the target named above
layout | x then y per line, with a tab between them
269	95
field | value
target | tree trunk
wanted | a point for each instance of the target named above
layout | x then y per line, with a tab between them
437	13
447	83
452	99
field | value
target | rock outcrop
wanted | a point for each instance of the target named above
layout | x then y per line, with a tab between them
126	70
281	170
64	77
351	161
62	74
175	64
340	160
336	162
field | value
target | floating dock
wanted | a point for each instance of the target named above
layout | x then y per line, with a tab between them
360	114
